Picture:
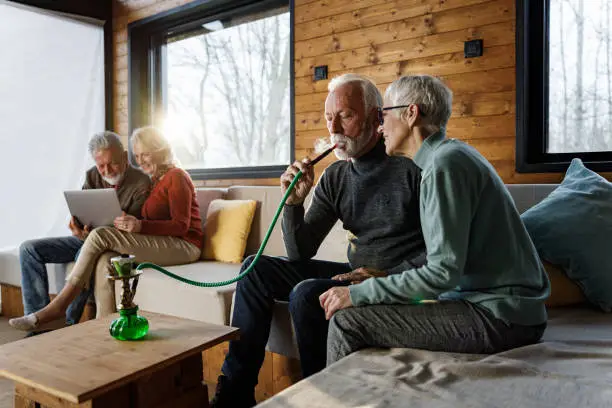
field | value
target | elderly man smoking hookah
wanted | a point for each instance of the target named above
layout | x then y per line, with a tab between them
380	212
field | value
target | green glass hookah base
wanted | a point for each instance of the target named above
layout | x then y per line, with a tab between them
129	325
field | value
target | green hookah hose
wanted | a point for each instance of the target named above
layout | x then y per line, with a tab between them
150	265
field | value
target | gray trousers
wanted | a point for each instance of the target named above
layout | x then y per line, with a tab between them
451	326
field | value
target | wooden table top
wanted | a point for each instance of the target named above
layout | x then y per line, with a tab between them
83	361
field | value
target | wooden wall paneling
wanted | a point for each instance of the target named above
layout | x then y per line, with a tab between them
497	148
380	13
121	49
438	65
324	8
287	371
385	39
277	371
464	105
484	104
480	82
418	47
265	384
483	127
12	304
489	81
496	11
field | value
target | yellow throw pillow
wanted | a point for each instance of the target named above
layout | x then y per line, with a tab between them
563	291
228	224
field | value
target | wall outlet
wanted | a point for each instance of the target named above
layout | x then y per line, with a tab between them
320	72
473	48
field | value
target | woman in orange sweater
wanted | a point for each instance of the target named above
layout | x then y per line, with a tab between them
169	233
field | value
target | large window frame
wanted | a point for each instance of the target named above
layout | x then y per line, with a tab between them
532	70
146	67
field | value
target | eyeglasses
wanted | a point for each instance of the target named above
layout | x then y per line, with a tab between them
381	119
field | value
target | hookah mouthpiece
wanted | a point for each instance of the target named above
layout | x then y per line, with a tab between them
322	155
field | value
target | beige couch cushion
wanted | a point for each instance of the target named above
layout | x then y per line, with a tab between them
159	293
205	196
333	247
268	198
10	270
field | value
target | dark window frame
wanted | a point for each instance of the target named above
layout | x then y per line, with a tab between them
532	70
146	65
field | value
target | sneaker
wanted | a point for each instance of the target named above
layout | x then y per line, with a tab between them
228	395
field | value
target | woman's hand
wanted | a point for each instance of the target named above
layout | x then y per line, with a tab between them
127	223
336	298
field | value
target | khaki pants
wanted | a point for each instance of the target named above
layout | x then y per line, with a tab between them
106	242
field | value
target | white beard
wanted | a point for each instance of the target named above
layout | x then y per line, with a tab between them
352	146
115	180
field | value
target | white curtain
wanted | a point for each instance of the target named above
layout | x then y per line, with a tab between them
51	102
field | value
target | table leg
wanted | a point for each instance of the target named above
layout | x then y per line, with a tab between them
22	402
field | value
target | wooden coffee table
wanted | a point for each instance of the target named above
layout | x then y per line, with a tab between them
83	366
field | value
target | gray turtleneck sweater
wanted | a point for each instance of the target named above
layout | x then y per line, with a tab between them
377	199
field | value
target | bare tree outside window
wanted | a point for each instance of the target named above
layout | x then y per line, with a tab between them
227	92
580	97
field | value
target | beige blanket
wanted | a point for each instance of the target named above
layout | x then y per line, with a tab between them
571	367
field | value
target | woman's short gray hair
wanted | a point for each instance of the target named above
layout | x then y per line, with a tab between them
153	140
430	94
372	97
104	141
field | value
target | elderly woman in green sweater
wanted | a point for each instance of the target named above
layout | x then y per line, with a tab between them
482	288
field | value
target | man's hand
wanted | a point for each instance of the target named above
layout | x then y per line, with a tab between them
77	231
336	298
127	223
304	184
359	275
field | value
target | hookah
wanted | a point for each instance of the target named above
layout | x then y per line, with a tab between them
131	326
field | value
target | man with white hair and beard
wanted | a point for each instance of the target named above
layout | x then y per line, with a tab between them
380	212
111	170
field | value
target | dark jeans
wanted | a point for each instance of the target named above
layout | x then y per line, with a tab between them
33	255
450	326
271	279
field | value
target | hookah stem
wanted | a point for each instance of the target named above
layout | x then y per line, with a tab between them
261	247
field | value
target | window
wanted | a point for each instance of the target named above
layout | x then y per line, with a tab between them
217	77
53	101
564	88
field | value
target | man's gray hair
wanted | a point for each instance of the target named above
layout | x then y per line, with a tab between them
430	94
372	97
105	140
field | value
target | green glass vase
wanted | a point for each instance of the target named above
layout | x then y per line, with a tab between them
129	325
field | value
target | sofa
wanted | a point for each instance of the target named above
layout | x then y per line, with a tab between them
159	293
568	368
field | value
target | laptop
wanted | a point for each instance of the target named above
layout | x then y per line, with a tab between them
96	207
